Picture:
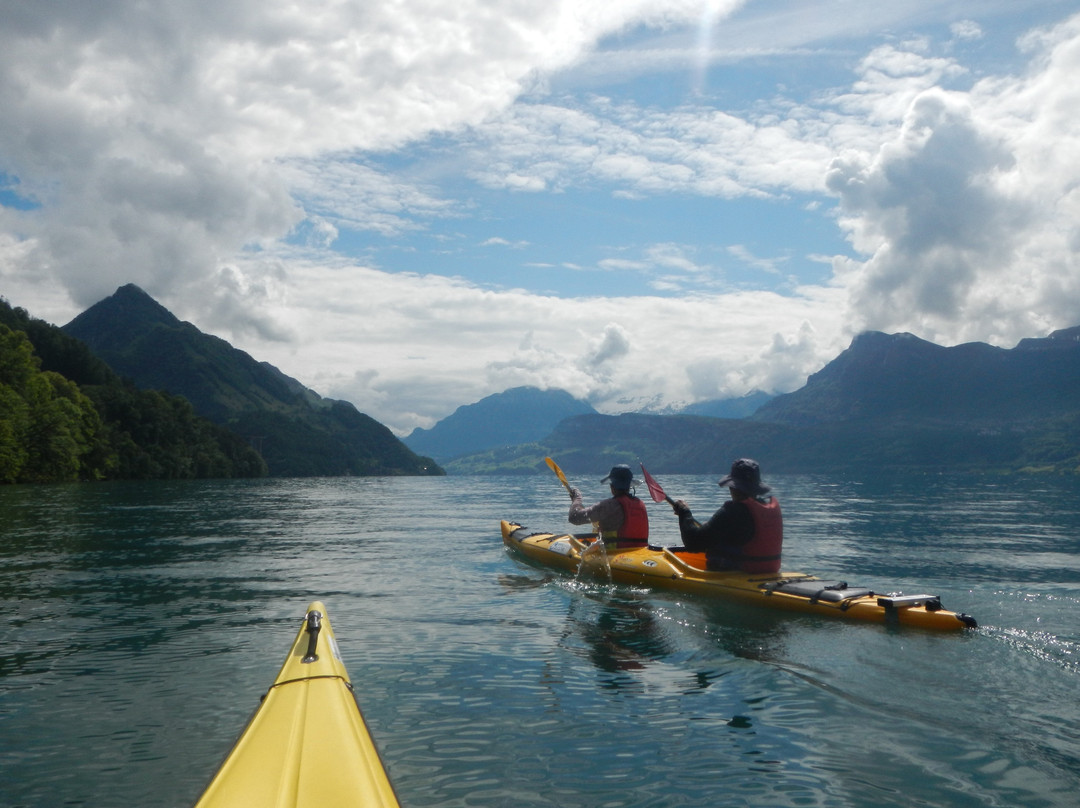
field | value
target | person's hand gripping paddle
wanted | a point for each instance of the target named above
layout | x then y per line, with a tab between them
598	545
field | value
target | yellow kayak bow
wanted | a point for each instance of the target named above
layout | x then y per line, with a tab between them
307	746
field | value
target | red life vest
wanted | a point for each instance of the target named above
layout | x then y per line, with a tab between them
634	531
762	553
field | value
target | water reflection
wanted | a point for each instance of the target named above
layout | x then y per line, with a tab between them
616	631
745	632
622	631
521	582
620	634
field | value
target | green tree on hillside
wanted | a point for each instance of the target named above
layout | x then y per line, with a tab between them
153	435
47	425
64	414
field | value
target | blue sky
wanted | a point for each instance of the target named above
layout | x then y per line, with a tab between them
644	203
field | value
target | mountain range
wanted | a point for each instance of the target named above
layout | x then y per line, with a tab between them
528	414
888	402
901	378
741	407
518	415
298	432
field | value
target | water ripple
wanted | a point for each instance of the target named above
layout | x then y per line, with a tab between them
144	623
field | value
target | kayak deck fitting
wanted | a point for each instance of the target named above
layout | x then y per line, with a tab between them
307	745
663	568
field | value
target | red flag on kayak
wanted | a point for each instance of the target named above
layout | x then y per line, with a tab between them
655	491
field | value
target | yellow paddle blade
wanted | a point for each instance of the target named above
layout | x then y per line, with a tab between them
558	471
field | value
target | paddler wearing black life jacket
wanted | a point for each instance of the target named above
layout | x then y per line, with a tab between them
747	533
622	518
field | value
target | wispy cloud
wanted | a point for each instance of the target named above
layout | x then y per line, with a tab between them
644	151
496	241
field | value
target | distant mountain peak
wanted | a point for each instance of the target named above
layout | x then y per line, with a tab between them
1064	339
123	314
877	340
1067	334
515	416
132	291
741	407
901	377
134	299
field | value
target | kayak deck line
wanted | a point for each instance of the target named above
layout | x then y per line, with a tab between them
305	679
664	568
307	744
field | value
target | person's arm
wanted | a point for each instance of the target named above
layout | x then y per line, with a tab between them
607	512
731	526
577	509
694	537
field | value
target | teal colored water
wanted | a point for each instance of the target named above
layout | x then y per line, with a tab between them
144	621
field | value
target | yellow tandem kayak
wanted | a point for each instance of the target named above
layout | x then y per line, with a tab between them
307	746
662	568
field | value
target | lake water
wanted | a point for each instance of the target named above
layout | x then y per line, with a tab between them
144	621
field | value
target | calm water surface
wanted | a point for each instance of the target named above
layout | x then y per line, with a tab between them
144	621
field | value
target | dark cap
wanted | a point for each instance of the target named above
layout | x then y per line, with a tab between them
620	477
746	477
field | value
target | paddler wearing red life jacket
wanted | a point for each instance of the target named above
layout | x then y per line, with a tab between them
622	518
747	533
